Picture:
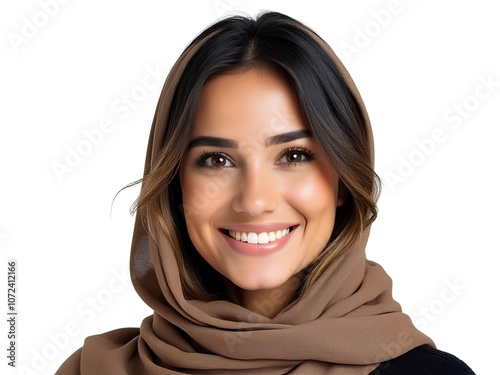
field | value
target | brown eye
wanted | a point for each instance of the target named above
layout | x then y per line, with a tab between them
214	160
295	156
218	161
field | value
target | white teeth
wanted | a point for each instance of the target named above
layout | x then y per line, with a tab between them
263	237
252	238
258	238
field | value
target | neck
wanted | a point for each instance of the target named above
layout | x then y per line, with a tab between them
266	302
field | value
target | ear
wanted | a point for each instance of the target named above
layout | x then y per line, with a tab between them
341	194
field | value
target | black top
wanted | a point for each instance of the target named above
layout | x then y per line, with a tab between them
424	360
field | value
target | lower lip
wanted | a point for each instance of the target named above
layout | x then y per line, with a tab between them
252	249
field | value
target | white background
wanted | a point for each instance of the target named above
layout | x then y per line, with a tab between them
436	232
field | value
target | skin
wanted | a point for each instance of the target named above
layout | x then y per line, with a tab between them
253	182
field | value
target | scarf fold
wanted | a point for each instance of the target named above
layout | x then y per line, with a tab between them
348	323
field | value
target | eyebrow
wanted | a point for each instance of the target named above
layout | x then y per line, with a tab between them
205	140
288	137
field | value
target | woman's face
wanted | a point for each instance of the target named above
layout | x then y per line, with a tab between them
259	195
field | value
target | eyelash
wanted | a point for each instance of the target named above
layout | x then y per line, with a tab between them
201	161
308	154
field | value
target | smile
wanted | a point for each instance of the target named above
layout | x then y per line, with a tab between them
258	238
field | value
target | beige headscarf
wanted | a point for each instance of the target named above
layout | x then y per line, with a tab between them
346	324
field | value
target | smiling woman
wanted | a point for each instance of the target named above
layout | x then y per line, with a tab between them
254	212
277	211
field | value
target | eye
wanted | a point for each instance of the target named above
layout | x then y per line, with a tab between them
296	155
214	160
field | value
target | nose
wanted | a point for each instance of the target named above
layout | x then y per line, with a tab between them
257	192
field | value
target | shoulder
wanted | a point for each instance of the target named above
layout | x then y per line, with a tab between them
101	349
424	360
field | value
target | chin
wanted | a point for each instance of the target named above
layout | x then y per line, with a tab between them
259	282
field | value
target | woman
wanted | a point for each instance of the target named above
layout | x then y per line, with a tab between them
255	208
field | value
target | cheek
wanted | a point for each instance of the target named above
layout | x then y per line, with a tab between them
316	191
197	210
315	198
202	197
195	200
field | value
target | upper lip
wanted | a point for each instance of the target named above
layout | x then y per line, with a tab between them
258	228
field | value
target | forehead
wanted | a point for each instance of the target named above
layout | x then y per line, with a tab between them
239	105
